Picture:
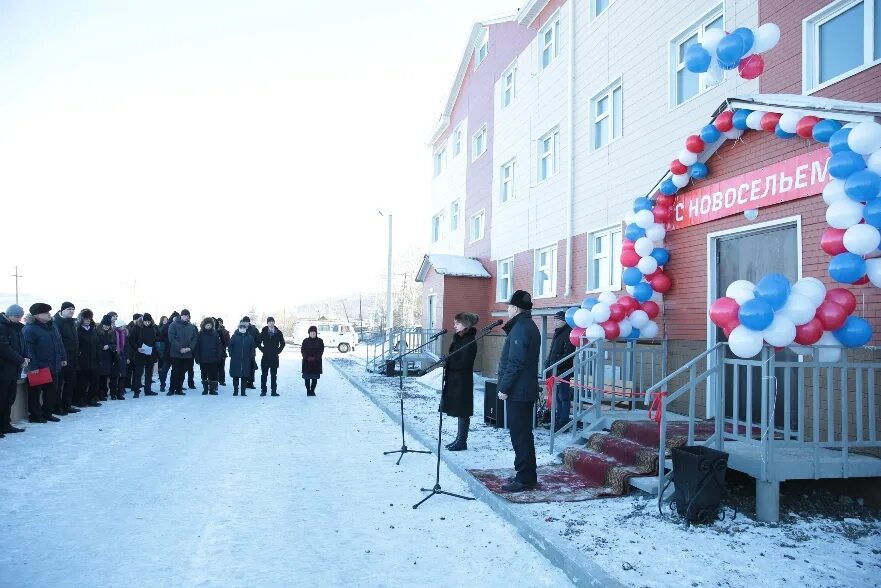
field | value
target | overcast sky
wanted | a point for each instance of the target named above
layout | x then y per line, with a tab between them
217	154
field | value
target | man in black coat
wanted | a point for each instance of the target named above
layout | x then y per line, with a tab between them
255	334
13	359
518	387
224	339
46	351
141	341
561	347
87	360
271	344
67	384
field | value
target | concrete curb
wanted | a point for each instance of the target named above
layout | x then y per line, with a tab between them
581	570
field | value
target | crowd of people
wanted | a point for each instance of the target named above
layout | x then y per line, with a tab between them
72	361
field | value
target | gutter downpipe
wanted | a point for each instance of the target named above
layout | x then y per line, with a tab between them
570	131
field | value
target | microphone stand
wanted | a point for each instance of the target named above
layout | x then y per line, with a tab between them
404	449
440	421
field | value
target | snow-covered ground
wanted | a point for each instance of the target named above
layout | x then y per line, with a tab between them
632	543
223	491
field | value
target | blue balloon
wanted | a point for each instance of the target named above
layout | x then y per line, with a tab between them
847	268
668	187
699	170
838	140
643	292
862	186
642	203
774	289
661	255
855	332
783	134
589	303
730	51
845	163
747	36
570	316
710	134
634	232
739	118
872	213
824	130
697	59
756	314
631	276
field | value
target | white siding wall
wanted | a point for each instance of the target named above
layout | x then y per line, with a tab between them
445	189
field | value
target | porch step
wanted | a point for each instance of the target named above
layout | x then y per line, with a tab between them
649	485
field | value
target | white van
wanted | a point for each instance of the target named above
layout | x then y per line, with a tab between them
339	334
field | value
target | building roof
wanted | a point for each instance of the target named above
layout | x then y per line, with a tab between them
452	265
530	10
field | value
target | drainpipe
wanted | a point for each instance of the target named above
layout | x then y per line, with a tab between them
570	132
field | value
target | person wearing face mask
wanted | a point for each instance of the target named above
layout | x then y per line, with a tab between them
182	336
312	350
271	344
66	325
241	352
46	350
13	359
143	348
107	358
87	360
208	352
457	399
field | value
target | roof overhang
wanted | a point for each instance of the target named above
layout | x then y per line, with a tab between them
452	265
530	11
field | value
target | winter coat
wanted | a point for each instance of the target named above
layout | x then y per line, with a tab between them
67	328
271	345
241	351
88	348
224	337
141	334
44	345
458	394
560	348
12	349
107	358
518	364
180	335
209	347
255	334
121	355
312	351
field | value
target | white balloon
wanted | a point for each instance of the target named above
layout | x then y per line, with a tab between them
733	134
811	288
765	37
754	120
647	265
625	328
687	158
850	125
600	312
873	271
594	332
833	192
656	232
789	121
630	289
644	219
607	297
744	342
781	332
657	297
583	318
639	319
629	217
798	308
649	331
830	354
874	162
844	214
711	39
741	291
715	73
681	180
865	138
644	246
862	239
801	350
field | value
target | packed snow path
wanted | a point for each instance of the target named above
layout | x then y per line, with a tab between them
221	491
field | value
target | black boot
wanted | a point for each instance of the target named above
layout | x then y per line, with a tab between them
212	388
235	389
263	392
274	393
205	387
137	395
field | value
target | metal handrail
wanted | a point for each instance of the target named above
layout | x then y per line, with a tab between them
664	381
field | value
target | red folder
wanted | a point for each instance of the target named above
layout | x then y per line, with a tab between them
40	377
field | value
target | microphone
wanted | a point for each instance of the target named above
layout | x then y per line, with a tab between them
492	326
440	334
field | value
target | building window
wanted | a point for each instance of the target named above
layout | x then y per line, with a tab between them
482	49
478	143
506	187
476	226
437	227
457	141
509	86
550	43
597	7
505	280
545	272
840	40
684	84
607	115
454	216
440	162
604	260
548	155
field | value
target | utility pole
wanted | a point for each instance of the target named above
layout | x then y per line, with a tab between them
388	291
16	276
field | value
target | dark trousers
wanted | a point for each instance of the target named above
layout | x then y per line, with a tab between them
462	433
42	400
563	401
272	372
209	372
311	383
67	386
7	399
191	375
164	366
179	368
107	384
87	385
221	372
143	375
519	421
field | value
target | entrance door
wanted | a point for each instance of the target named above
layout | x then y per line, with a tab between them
432	313
751	255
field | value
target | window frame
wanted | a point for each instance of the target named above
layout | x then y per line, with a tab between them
553	134
457	141
593	9
479	214
440	161
437	222
512	71
481	131
552	278
615	268
607	92
506	296
481	50
554	26
454	216
698	27
512	164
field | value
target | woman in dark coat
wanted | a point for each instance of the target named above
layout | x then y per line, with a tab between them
241	350
458	388
87	359
312	349
208	353
107	357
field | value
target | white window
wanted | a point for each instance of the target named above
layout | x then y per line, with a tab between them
506	185
548	155
457	141
550	43
440	162
604	259
545	272
476	226
454	216
478	143
607	115
840	40
509	86
597	7
685	85
437	227
482	49
505	280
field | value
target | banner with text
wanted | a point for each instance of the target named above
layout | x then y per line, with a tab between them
799	177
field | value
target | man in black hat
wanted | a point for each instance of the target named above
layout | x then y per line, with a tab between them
182	335
561	347
518	387
142	339
271	343
45	349
67	379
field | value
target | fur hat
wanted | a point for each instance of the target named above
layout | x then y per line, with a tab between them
87	314
245	319
136	316
207	321
147	317
107	321
313	328
560	315
270	319
15	310
522	300
66	305
39	308
468	319
184	312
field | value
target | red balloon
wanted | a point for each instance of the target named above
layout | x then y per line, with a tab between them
677	167
611	329
662	214
832	241
724	122
809	333
843	298
629	258
629	303
650	308
727	330
661	282
862	281
617	312
575	336
724	312
831	315
664	200
627	245
694	144
751	66
769	121
805	127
